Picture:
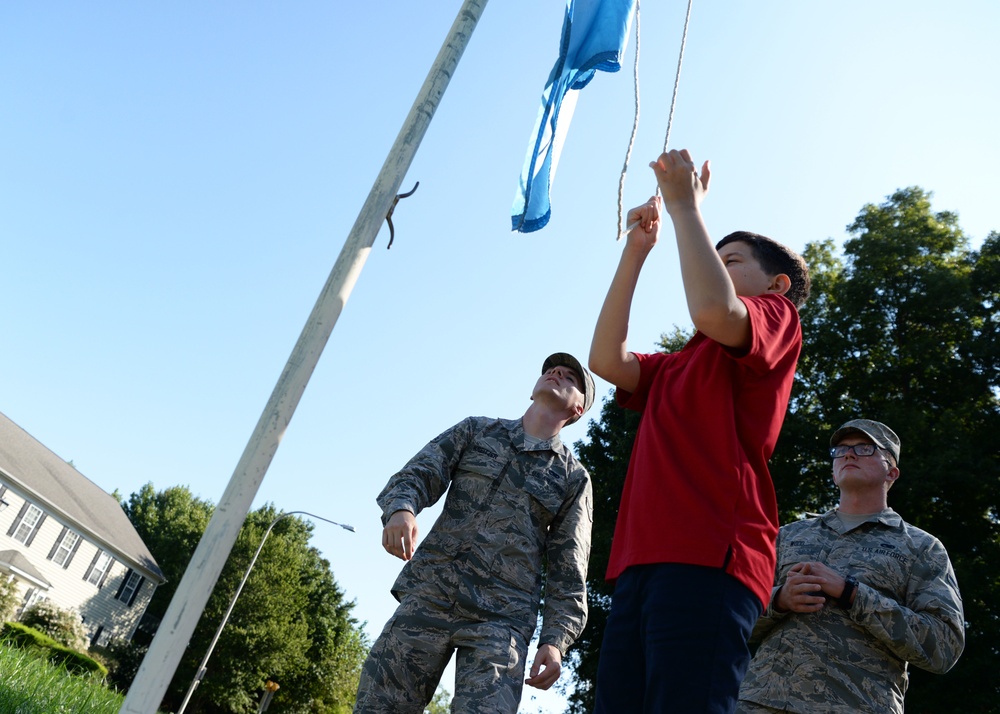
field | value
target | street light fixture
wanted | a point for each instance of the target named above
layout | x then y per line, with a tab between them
200	673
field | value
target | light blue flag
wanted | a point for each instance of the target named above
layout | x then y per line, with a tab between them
593	37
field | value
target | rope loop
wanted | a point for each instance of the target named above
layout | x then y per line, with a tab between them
619	231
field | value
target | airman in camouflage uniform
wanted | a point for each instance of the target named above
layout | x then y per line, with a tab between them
859	595
516	496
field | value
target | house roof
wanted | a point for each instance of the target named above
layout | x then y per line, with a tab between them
50	482
15	562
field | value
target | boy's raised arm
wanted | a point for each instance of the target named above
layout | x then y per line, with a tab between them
609	355
715	309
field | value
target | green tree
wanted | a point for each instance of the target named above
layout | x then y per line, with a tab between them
291	623
267	631
337	646
441	703
170	523
904	328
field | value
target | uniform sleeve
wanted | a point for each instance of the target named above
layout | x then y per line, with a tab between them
568	553
427	475
927	631
770	617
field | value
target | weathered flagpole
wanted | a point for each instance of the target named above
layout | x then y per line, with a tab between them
160	662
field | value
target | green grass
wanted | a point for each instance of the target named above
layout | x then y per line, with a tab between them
30	685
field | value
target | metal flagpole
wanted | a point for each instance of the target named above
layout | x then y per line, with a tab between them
188	603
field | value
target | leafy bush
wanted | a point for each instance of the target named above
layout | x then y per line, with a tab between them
123	660
20	635
76	662
8	598
64	626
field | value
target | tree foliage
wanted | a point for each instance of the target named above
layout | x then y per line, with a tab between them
441	703
291	623
170	523
123	660
902	328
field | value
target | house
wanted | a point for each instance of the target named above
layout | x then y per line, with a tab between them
62	538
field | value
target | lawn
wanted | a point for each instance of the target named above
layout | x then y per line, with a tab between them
30	685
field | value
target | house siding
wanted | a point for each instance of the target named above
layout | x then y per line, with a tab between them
97	605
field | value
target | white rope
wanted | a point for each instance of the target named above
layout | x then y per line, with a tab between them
635	128
670	118
677	79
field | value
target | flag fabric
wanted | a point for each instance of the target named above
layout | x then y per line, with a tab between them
594	34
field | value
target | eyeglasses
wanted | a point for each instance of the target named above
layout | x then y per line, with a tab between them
841	450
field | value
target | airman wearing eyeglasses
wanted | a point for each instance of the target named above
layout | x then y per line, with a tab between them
859	595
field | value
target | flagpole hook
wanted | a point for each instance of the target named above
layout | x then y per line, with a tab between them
388	216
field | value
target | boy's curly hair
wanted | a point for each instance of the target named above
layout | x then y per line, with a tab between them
774	258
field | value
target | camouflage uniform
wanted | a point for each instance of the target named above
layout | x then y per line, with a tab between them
907	610
475	582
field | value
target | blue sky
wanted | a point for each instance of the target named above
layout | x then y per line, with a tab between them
177	180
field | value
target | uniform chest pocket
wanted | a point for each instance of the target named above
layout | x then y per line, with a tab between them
476	478
886	571
547	495
795	551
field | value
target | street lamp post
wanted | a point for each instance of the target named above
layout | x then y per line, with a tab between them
200	673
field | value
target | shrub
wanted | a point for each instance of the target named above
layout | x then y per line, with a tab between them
8	598
64	626
20	635
76	662
123	660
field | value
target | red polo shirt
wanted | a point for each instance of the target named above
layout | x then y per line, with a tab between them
697	486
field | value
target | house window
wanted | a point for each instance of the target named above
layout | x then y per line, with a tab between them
65	548
130	586
31	596
98	569
29	522
97	636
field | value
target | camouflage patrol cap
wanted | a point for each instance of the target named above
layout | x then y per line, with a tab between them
878	432
564	359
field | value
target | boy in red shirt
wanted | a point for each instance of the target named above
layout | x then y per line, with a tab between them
693	552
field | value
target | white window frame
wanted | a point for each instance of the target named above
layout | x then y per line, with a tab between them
101	565
130	587
66	546
28	524
31	596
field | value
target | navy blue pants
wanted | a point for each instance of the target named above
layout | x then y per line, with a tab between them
676	641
